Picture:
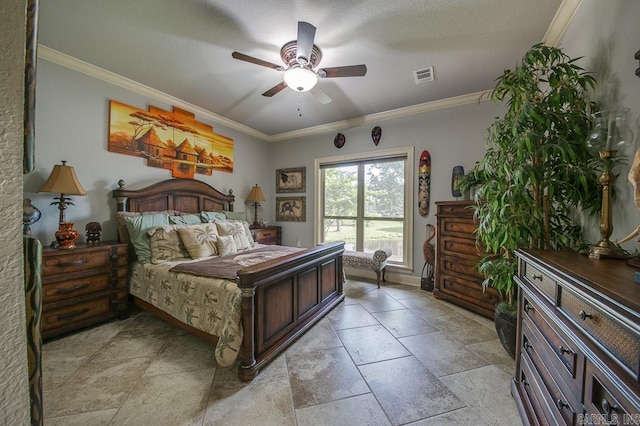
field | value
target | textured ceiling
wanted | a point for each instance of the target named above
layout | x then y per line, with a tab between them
183	48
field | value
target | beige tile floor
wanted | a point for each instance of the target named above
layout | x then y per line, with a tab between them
389	356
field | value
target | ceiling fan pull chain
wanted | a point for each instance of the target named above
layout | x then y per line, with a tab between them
299	104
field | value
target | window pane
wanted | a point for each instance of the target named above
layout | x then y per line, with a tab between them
341	191
384	189
384	233
341	230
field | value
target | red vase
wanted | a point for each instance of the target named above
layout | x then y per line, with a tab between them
66	236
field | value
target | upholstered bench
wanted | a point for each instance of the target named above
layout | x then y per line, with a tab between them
376	261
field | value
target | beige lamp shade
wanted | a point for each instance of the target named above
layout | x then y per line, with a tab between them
63	180
255	195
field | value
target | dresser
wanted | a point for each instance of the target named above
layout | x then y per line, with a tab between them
83	286
267	234
578	355
457	277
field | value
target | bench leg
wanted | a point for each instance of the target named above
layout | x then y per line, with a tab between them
378	278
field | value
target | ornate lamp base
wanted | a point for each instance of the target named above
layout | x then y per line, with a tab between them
66	236
607	250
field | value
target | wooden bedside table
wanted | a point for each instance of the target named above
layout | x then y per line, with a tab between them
83	286
267	234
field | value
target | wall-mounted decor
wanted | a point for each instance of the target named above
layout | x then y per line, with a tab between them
171	140
339	140
424	182
291	180
293	209
376	134
29	121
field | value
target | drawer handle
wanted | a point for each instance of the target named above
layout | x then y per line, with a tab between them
73	314
562	350
584	315
528	307
607	408
527	346
72	289
72	263
537	277
561	404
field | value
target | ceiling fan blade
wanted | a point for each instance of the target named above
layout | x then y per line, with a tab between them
247	58
275	89
348	71
304	44
320	95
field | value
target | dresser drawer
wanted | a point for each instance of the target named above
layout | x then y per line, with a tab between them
458	226
68	261
469	291
78	313
63	290
617	338
561	350
557	399
537	397
607	403
460	266
540	280
459	248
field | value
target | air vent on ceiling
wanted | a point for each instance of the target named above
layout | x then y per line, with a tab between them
424	75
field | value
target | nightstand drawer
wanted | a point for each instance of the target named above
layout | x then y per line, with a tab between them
267	235
68	261
63	290
69	316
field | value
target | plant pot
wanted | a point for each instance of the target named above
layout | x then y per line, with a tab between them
505	321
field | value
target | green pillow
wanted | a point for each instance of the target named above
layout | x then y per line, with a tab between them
236	215
185	219
211	216
138	226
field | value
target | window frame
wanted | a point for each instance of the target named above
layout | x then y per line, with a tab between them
408	153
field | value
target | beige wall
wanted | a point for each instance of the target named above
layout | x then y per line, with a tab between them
14	387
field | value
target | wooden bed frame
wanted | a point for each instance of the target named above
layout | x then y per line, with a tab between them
281	299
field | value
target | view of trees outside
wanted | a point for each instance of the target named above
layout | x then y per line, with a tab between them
377	220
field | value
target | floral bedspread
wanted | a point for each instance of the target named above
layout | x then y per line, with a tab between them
209	304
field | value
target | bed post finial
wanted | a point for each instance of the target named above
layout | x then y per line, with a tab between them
122	201
231	202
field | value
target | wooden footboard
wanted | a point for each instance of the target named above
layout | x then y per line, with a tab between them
281	299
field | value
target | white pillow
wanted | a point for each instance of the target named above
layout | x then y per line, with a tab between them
234	228
226	245
200	240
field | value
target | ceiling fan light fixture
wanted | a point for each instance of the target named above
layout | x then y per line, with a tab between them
300	79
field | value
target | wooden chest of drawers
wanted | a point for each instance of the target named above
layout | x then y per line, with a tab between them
578	359
83	286
457	277
267	234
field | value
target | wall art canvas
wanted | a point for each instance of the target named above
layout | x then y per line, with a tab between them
291	180
172	140
291	209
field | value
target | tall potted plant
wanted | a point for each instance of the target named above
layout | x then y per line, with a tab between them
537	170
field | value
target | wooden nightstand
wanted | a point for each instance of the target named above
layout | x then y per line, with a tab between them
267	234
83	286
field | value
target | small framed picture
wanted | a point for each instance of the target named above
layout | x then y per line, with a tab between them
291	180
293	209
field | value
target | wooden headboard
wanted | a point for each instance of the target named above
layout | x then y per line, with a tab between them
183	195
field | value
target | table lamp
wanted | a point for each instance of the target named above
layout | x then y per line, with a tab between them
63	180
255	196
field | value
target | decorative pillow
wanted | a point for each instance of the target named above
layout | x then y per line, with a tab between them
247	230
212	216
199	240
236	215
166	244
123	234
236	230
185	219
137	226
226	245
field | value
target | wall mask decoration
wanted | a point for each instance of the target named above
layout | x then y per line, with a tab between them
171	140
339	140
376	134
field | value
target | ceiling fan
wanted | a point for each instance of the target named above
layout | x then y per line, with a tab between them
300	58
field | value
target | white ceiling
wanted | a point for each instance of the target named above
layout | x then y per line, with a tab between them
183	48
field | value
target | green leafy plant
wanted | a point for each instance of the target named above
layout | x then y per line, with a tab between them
537	170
